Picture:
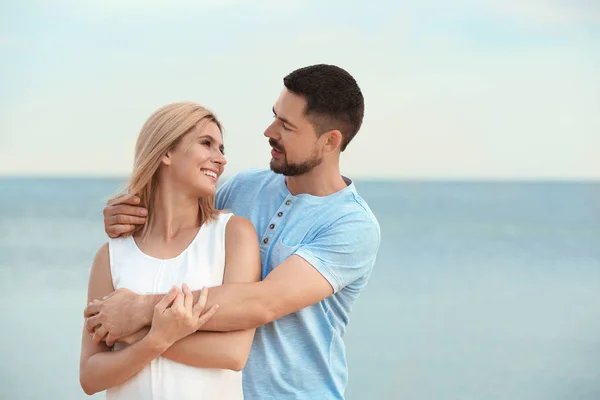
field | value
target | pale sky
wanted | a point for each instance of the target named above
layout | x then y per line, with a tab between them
469	89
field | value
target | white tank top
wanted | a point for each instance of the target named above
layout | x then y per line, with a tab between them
202	263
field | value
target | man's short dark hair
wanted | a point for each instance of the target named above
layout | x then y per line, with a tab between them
334	100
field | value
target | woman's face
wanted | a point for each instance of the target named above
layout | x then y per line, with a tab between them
197	162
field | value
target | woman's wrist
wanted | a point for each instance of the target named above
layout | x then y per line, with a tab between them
155	342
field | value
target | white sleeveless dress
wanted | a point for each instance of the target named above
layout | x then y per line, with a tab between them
202	263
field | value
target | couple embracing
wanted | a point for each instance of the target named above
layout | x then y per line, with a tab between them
240	292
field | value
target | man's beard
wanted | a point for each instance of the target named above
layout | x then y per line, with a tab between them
289	169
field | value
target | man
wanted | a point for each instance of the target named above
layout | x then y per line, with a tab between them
318	242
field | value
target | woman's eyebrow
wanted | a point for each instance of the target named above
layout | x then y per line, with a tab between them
221	147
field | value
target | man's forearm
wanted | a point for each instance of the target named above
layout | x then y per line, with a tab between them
241	306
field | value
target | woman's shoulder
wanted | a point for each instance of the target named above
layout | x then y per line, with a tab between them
231	223
102	254
240	227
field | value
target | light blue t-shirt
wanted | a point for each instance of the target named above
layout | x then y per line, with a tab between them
302	355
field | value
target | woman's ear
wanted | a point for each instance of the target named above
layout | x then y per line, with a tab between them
166	159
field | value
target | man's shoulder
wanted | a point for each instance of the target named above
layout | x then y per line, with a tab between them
253	176
352	207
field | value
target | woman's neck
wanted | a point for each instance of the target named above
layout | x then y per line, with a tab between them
174	212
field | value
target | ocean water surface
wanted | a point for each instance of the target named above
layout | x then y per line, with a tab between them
481	290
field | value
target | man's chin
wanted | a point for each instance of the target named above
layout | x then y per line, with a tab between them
276	167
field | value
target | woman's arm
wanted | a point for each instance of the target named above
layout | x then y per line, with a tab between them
101	368
175	316
227	350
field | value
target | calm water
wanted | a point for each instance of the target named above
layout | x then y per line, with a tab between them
481	290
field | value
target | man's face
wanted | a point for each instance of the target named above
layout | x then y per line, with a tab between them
294	142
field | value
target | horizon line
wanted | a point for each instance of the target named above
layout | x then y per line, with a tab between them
415	178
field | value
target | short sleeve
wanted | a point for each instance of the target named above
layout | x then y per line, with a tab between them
224	193
345	251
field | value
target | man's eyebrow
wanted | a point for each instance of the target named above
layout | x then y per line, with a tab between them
283	119
221	147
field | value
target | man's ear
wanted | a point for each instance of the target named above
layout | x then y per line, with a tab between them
333	140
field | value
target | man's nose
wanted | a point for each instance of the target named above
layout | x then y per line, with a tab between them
271	131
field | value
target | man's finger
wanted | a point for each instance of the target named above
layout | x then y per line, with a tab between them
92	309
199	306
188	297
91	323
123	209
99	334
125	199
122	219
114	231
206	316
166	301
110	340
110	295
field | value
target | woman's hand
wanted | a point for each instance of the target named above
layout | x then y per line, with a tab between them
176	317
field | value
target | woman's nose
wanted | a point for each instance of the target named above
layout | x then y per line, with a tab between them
220	159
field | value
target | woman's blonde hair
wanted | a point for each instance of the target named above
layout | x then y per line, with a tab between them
161	133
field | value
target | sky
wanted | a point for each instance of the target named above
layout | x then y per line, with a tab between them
469	89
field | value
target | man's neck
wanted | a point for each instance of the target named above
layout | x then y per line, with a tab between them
321	181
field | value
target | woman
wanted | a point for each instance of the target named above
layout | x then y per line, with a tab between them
185	244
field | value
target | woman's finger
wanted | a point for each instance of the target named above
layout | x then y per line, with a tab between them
166	301
199	306
178	302
207	315
188	299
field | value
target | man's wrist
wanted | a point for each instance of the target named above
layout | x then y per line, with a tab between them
147	304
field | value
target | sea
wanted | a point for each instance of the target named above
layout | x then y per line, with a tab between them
481	290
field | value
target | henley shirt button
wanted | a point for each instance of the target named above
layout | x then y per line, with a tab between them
266	240
279	214
287	203
272	226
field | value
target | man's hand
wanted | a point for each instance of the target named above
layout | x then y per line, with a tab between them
117	315
122	214
135	337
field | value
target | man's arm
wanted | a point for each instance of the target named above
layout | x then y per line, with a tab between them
339	255
334	259
291	286
225	350
228	350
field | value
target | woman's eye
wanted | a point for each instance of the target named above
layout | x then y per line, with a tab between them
206	143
